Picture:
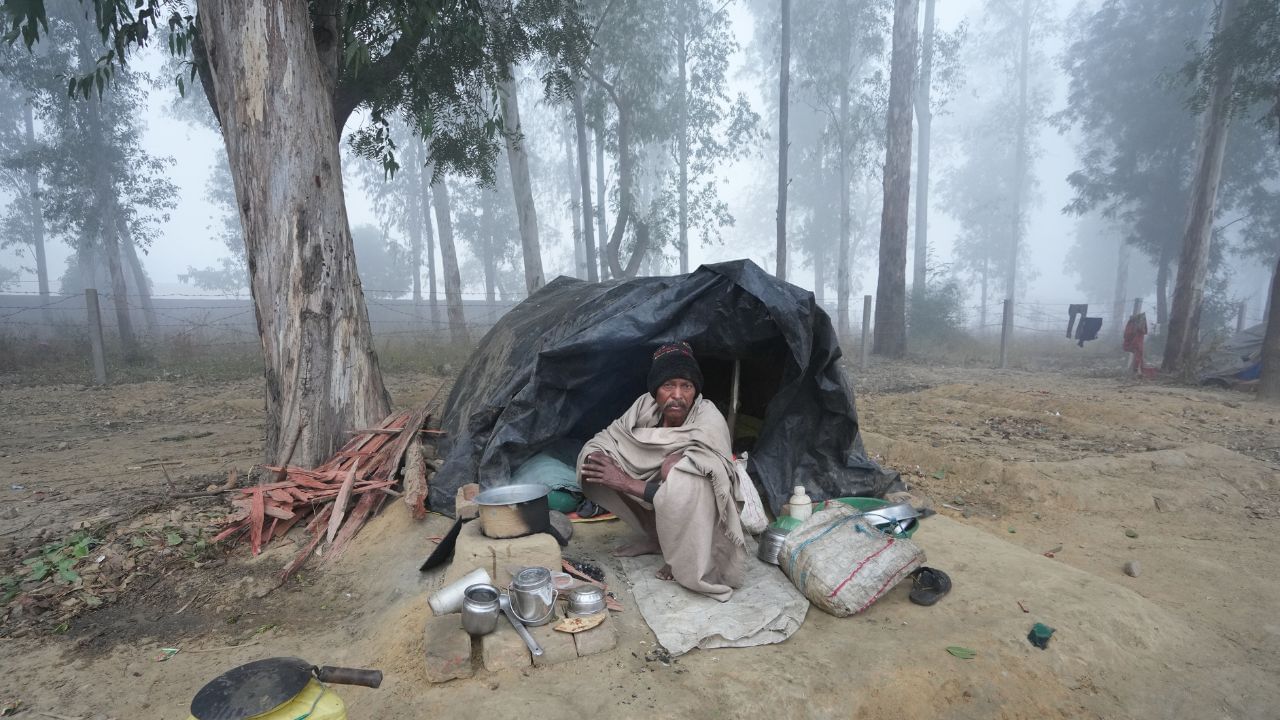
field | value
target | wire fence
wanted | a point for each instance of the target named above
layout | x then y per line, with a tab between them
228	320
192	323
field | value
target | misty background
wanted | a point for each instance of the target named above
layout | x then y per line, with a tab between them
1069	256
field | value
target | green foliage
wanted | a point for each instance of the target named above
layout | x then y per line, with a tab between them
1127	62
444	87
937	316
1251	45
57	560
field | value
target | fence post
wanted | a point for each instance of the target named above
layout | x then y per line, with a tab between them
866	330
1240	316
1006	332
95	336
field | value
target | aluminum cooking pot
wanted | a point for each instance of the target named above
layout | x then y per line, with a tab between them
514	510
586	600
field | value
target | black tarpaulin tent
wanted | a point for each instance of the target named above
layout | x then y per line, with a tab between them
574	355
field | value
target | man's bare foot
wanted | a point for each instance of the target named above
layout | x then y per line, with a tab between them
647	546
664	573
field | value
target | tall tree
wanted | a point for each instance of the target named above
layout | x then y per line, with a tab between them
283	78
1251	48
1134	133
584	175
21	161
104	192
891	284
629	67
521	186
1184	315
836	52
711	128
991	184
449	260
784	100
924	116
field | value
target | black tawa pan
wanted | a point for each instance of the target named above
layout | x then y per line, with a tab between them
263	685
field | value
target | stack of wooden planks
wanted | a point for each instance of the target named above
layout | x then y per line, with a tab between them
335	499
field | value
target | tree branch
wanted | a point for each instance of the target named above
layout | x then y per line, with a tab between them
355	89
200	56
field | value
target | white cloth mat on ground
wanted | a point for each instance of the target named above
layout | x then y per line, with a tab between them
766	609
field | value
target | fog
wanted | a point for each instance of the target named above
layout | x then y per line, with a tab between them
187	237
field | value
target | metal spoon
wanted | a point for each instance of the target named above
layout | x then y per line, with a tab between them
505	603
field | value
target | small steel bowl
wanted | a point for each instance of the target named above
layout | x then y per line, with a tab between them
771	544
586	600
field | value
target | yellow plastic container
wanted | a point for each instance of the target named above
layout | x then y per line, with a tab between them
315	702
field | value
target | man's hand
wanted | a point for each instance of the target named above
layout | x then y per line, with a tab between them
669	462
600	468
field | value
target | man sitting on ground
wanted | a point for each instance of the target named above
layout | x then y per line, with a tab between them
664	468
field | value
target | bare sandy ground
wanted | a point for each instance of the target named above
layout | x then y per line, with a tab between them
1183	481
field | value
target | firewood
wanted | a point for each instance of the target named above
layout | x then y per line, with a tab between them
358	515
257	516
340	504
415	481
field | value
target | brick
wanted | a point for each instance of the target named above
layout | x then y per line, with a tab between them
557	647
601	638
503	649
464	507
474	550
447	649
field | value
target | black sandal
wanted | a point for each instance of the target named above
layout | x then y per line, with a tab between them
928	585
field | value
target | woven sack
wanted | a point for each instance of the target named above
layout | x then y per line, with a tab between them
842	563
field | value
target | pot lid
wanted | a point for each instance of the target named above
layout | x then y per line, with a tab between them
586	594
512	494
531	578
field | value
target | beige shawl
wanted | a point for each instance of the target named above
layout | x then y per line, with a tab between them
639	445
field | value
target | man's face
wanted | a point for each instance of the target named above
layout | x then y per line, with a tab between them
675	397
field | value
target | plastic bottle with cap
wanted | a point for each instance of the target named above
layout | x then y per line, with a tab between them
800	506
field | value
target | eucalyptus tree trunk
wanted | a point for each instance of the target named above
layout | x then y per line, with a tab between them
601	221
140	279
584	177
272	90
924	115
626	168
682	145
891	285
449	261
103	227
119	289
414	222
424	198
1269	383
1020	147
784	100
842	270
488	237
521	186
1120	296
575	204
985	290
1188	290
35	212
